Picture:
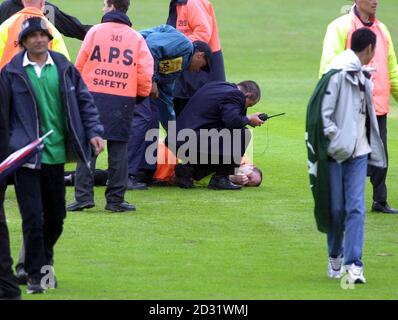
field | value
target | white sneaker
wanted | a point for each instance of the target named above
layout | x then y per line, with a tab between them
334	267
355	274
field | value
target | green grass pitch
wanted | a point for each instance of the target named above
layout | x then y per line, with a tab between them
259	243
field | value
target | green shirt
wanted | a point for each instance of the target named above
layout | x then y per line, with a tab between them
51	112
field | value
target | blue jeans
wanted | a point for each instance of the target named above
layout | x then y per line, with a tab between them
347	207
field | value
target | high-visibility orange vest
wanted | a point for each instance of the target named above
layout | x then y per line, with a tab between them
197	21
380	78
10	29
114	59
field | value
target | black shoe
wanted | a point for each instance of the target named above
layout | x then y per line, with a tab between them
383	207
34	286
133	184
80	206
120	207
22	276
222	183
183	175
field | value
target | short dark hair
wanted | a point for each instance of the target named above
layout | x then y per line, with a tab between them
120	5
252	87
362	38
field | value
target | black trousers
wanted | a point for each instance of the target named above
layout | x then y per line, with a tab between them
224	161
201	171
118	174
41	200
378	176
8	283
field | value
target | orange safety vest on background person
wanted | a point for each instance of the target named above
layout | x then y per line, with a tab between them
10	29
381	75
197	21
385	77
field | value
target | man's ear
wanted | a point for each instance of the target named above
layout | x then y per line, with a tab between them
248	95
370	49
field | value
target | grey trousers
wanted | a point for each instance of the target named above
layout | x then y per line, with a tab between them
118	174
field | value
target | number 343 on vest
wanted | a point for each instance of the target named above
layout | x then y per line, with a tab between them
113	56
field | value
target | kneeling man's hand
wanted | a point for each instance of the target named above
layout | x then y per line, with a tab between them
254	120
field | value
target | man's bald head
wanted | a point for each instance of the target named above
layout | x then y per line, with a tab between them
39	4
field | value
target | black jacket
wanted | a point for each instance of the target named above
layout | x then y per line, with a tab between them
81	114
4	114
4	134
69	26
217	105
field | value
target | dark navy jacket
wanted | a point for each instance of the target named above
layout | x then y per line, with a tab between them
4	138
81	114
66	24
217	105
4	121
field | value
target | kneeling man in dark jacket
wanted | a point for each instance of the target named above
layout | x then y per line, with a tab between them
45	92
211	134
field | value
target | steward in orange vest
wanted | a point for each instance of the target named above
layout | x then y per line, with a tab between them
10	29
68	25
196	20
384	77
117	66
